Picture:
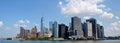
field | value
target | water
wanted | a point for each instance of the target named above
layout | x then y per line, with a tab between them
89	41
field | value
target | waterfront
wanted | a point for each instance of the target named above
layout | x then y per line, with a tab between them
38	41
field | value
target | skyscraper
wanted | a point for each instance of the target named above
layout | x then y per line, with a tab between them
55	30
85	29
70	30
42	27
76	27
100	31
94	27
27	34
22	32
63	31
34	32
89	29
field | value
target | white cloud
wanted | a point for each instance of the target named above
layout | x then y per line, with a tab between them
9	31
22	23
36	24
86	17
106	15
1	23
99	22
117	17
27	21
16	25
78	7
113	29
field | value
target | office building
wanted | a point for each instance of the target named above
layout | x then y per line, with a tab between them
34	32
94	27
89	29
85	29
55	30
63	31
76	27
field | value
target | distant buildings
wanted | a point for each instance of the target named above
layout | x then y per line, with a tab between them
24	33
76	30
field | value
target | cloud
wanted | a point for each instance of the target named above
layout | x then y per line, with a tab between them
8	31
27	21
106	15
22	23
86	17
36	24
117	17
99	22
11	31
1	23
85	7
113	29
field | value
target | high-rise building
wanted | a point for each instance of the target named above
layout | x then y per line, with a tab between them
89	29
22	32
94	27
27	34
76	27
70	30
34	32
100	31
63	31
85	29
55	30
42	26
51	25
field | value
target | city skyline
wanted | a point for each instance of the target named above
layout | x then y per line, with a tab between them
75	31
16	13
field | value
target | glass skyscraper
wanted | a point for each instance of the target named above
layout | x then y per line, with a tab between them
55	30
89	27
100	30
76	27
94	27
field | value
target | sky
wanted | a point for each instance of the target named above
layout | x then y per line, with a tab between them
28	13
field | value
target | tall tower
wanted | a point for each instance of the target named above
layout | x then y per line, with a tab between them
55	30
22	32
77	27
42	26
94	26
89	29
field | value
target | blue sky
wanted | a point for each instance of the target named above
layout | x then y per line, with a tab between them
27	13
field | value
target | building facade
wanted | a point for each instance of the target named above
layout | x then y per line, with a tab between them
63	31
76	27
94	27
34	32
89	27
55	30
